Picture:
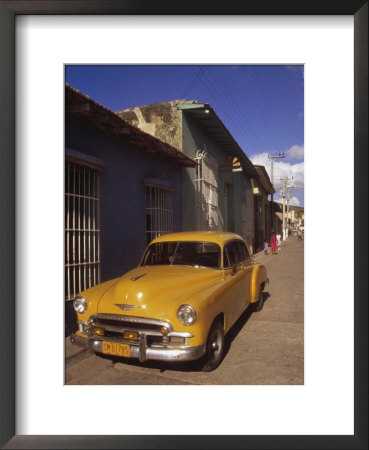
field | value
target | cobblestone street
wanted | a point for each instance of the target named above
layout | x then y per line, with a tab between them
262	348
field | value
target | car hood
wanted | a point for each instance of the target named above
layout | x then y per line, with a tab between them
158	291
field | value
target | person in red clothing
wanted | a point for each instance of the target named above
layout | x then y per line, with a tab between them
273	244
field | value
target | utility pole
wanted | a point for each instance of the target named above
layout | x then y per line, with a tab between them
283	194
289	187
272	158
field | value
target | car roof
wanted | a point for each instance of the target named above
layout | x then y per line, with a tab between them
218	237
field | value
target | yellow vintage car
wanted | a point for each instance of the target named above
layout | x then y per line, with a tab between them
178	304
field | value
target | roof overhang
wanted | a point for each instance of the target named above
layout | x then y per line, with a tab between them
208	120
82	106
264	179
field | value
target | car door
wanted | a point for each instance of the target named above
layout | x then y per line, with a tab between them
247	266
235	276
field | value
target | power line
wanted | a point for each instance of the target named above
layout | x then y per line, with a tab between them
241	112
259	104
229	109
194	81
269	124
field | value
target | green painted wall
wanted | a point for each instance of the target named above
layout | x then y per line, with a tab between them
194	139
176	127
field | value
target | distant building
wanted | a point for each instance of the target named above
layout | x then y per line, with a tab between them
218	194
294	216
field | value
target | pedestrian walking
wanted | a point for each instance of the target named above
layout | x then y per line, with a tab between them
273	244
266	246
279	238
299	235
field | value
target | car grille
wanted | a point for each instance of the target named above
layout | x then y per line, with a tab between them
115	325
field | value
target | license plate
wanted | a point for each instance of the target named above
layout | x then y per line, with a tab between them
111	348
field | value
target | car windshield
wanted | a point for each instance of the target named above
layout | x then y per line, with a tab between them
206	254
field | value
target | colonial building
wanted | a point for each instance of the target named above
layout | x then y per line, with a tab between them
262	187
218	194
294	217
122	189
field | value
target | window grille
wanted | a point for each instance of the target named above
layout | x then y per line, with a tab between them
82	228
244	215
206	193
159	211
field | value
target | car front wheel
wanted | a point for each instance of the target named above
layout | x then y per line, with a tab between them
258	306
214	347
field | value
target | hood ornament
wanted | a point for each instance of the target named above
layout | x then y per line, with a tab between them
138	277
126	307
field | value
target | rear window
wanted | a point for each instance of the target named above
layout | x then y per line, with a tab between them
235	252
230	254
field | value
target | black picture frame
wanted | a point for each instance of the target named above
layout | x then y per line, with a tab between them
8	11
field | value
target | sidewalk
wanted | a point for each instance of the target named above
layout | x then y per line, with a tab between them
286	277
284	243
72	350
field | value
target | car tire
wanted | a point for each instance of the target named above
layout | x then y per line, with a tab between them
258	306
214	347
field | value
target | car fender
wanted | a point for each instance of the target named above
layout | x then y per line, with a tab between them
258	277
212	306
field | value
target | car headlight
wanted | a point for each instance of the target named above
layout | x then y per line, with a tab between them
186	314
80	305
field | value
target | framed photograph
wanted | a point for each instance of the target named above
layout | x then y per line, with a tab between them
37	41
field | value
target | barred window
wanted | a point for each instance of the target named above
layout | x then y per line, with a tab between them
159	211
244	214
82	228
206	193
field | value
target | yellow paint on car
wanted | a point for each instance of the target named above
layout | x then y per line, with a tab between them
157	291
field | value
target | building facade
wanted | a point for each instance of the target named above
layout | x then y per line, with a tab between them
262	187
218	193
122	189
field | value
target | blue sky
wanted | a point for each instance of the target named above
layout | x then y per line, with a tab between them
261	105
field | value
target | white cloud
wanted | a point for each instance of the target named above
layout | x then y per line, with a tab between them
261	159
294	201
296	152
285	169
281	169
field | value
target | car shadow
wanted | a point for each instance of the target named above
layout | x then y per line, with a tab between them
240	323
190	366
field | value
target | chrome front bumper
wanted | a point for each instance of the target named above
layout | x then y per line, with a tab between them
144	353
79	340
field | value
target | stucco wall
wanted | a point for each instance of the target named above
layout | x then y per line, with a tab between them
177	128
161	120
123	194
195	139
249	213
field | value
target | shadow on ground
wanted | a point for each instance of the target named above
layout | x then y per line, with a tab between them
70	319
192	366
